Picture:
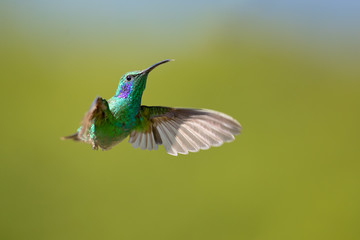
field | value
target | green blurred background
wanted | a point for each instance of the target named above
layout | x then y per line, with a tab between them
287	70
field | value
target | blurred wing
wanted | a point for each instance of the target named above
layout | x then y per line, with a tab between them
183	130
98	110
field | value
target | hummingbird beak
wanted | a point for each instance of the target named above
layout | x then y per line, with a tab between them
149	69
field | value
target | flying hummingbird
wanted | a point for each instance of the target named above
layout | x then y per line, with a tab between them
180	130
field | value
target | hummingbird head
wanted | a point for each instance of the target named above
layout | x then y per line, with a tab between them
132	84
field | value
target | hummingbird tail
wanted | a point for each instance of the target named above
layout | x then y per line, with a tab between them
74	137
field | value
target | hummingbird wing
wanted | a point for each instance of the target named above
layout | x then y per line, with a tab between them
99	111
182	130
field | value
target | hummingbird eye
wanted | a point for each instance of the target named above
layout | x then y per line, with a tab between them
128	77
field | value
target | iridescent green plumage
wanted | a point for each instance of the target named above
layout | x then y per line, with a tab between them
180	130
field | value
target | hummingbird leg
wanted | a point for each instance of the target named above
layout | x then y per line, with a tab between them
94	146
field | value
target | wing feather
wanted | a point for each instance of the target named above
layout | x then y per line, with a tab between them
97	114
186	142
183	130
143	142
153	142
137	140
174	138
196	139
166	141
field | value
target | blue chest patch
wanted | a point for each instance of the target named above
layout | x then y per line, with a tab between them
125	90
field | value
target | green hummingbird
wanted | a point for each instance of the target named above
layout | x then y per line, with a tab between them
180	130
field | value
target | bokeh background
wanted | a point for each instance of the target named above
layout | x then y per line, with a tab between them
287	70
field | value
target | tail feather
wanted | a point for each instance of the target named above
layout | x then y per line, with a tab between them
74	137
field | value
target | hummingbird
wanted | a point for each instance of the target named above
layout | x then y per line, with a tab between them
180	130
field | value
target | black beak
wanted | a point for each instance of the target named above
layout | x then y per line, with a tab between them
149	69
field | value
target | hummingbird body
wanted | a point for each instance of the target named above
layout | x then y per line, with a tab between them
180	130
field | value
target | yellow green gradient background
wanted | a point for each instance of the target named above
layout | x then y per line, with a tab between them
288	71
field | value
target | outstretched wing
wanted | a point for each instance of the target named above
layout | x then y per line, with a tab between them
182	130
98	111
